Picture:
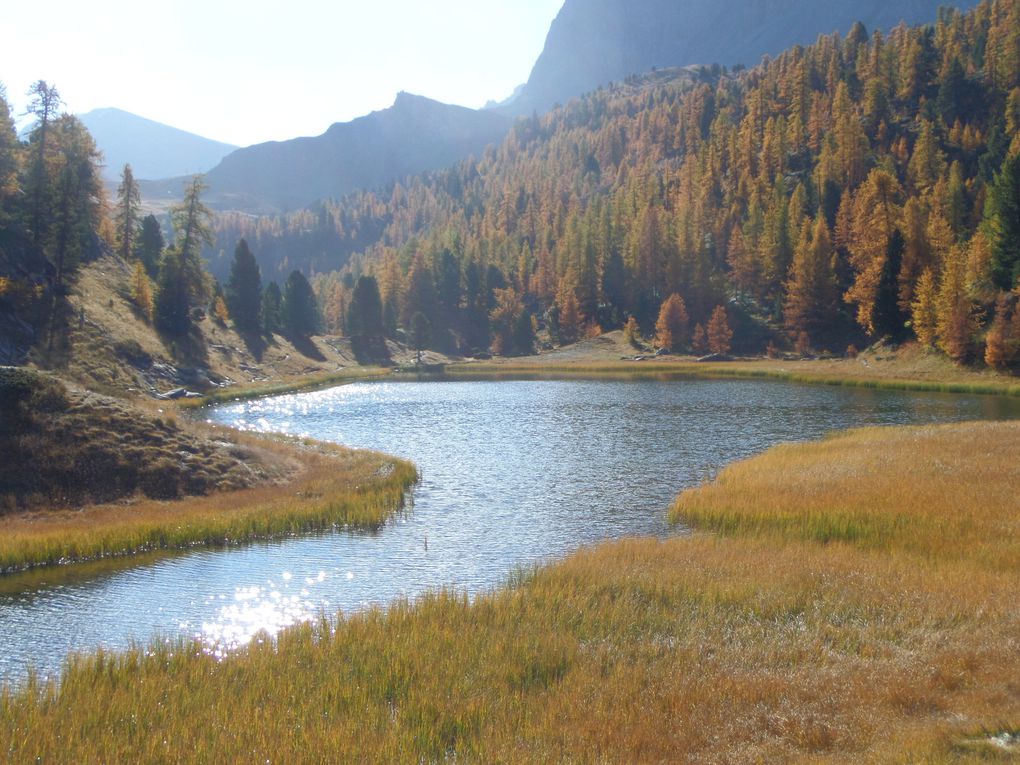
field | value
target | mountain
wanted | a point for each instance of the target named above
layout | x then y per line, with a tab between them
595	42
154	150
854	189
413	136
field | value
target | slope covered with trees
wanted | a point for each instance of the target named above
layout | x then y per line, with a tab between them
595	42
861	187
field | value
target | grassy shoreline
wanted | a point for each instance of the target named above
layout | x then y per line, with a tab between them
331	487
756	369
888	639
283	387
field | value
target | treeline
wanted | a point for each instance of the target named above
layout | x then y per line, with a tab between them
859	188
51	209
54	216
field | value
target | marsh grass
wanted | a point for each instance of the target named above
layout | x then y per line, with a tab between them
327	487
767	642
936	492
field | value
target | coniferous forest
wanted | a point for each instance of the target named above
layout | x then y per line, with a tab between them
864	187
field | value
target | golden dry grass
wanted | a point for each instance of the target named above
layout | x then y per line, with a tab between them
937	492
329	486
763	644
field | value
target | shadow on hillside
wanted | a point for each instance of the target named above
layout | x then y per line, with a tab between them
307	348
254	342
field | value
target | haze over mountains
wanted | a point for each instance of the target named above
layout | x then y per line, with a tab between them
595	42
152	149
413	136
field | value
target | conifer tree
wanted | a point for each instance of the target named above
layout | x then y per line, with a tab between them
998	342
300	309
672	326
271	311
924	309
420	295
244	289
365	320
720	336
875	228
955	325
150	245
811	293
141	291
1002	224
44	106
129	204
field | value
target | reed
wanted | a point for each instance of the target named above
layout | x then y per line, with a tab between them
765	643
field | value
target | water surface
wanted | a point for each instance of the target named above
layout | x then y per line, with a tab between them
513	474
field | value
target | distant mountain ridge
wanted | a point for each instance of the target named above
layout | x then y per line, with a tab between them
595	42
153	150
413	136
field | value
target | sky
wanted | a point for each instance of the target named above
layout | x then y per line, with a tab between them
248	71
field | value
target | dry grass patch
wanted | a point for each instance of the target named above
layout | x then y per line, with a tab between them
945	492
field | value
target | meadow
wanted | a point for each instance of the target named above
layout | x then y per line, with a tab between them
855	602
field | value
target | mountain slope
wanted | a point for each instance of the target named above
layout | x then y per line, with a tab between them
595	42
415	135
154	150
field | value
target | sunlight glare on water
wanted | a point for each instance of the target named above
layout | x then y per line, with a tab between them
513	474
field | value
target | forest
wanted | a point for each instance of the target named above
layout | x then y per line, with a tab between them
861	188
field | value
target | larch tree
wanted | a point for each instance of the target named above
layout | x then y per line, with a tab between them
126	217
998	342
875	232
44	106
720	335
812	293
955	325
924	308
420	295
77	200
672	326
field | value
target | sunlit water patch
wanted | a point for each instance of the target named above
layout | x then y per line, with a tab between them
513	474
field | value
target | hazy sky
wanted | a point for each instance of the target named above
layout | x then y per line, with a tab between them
244	72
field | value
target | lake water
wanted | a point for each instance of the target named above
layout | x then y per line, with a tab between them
513	474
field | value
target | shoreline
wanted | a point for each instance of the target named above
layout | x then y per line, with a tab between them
337	487
856	628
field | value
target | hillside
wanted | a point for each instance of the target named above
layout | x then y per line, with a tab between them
595	42
855	189
413	136
152	149
67	447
